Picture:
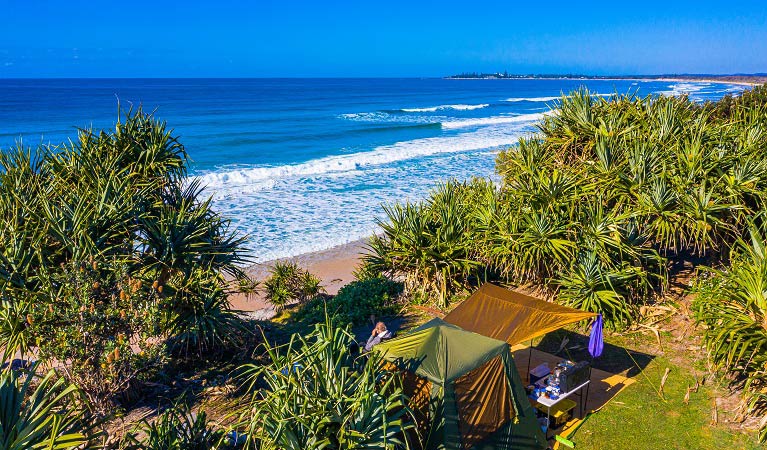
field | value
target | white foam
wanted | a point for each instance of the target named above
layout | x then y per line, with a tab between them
304	215
532	99
496	120
443	107
382	117
257	178
684	88
735	88
299	214
547	99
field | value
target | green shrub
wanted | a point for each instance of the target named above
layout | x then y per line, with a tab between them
312	393
107	253
48	415
99	312
728	105
732	304
354	302
289	283
177	428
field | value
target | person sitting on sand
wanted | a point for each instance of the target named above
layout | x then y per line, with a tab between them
378	334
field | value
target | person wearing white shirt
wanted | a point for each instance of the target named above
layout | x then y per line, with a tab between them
379	333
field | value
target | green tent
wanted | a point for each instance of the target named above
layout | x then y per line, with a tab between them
464	388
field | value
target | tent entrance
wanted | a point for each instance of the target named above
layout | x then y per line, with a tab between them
464	389
484	402
419	392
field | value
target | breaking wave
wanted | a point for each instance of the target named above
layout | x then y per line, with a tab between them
444	107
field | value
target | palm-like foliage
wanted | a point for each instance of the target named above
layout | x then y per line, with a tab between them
732	304
288	283
427	242
183	234
314	394
96	236
177	428
590	206
45	416
197	317
591	286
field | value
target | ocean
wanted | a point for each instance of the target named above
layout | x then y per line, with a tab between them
301	165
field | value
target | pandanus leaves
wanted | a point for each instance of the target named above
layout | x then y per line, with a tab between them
39	413
315	394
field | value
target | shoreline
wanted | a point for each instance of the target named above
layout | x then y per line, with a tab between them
756	82
692	80
334	266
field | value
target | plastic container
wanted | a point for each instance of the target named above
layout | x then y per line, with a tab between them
539	372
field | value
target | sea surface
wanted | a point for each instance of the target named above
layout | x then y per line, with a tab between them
301	165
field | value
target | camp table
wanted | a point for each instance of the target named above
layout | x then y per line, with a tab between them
549	403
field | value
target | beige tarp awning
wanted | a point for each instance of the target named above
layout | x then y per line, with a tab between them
509	316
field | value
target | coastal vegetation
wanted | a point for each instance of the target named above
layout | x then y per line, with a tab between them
288	284
115	271
111	264
354	303
731	304
40	415
601	209
315	393
177	428
114	267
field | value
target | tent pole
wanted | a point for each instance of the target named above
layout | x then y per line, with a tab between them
529	358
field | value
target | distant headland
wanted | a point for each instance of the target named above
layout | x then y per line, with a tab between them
749	79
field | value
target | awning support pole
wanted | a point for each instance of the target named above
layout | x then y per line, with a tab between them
529	358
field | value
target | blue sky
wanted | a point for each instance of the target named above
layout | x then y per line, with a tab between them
264	38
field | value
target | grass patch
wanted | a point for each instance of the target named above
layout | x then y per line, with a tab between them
639	419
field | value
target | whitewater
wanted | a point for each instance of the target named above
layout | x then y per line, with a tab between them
301	165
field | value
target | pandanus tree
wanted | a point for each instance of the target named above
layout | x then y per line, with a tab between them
40	413
427	243
731	303
107	253
592	207
314	393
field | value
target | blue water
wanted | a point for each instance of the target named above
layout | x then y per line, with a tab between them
304	164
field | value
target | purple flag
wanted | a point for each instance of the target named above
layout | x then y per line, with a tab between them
596	343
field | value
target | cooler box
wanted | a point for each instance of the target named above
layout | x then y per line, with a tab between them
560	413
574	376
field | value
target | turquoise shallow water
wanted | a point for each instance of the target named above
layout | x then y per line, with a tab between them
304	164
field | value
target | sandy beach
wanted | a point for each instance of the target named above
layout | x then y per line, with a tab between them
334	266
742	81
746	80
